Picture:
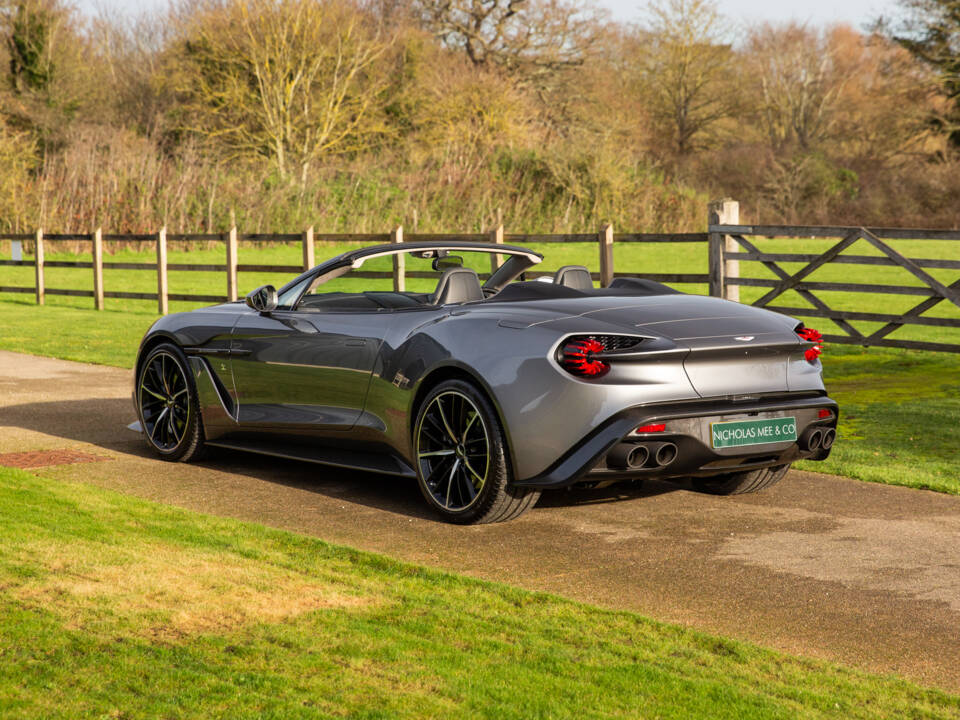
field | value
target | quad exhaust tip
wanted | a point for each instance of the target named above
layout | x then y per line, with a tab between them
666	454
813	439
626	456
829	435
635	456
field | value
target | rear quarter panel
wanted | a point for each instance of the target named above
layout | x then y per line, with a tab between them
544	410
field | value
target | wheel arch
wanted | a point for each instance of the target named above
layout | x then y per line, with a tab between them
457	371
158	338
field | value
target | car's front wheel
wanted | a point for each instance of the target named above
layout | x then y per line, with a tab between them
738	483
462	463
167	404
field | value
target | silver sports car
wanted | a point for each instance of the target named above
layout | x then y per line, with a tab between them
488	394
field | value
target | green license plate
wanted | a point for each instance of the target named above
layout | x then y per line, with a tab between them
753	432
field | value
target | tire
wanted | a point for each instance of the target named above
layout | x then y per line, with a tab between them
450	446
167	405
748	481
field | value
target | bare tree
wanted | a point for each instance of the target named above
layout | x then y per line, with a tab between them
291	79
530	37
799	83
687	67
835	86
133	49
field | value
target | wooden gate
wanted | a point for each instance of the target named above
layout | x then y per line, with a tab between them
731	243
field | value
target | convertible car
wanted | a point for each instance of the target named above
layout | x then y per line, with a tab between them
488	394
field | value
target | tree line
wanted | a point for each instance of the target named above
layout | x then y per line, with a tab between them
456	115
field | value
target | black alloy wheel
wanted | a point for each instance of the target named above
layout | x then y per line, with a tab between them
453	450
167	404
461	457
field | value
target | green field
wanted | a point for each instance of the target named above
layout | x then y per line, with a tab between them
114	607
629	258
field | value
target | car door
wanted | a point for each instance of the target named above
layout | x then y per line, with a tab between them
304	369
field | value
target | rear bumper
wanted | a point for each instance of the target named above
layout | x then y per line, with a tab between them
687	427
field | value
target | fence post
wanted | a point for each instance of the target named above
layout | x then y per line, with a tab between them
162	304
308	256
724	212
98	269
399	261
496	237
232	264
605	240
38	267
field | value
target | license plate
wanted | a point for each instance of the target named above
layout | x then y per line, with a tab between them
739	433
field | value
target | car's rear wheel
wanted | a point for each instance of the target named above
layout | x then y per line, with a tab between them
462	463
167	404
738	483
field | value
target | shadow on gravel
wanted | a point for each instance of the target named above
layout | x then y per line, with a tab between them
620	492
98	421
102	422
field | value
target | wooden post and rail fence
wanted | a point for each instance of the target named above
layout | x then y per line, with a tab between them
728	244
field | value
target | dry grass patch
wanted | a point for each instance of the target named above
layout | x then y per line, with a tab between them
167	591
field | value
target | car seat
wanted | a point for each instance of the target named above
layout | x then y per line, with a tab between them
573	276
457	285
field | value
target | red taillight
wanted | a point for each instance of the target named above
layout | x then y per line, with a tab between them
577	358
824	413
814	336
659	427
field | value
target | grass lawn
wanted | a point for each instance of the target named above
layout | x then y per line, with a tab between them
899	416
112	606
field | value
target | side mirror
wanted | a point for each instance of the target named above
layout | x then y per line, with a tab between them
263	299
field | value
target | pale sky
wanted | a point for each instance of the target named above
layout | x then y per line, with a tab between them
857	13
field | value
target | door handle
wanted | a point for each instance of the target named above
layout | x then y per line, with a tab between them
355	343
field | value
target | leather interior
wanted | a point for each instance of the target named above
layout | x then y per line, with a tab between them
457	285
573	276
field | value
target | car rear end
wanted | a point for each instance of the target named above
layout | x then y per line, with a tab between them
705	388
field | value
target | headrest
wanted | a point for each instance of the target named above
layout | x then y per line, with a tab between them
573	276
457	285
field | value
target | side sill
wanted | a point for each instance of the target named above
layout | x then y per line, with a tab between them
333	457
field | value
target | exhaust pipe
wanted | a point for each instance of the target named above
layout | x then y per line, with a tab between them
627	456
666	454
813	439
829	435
